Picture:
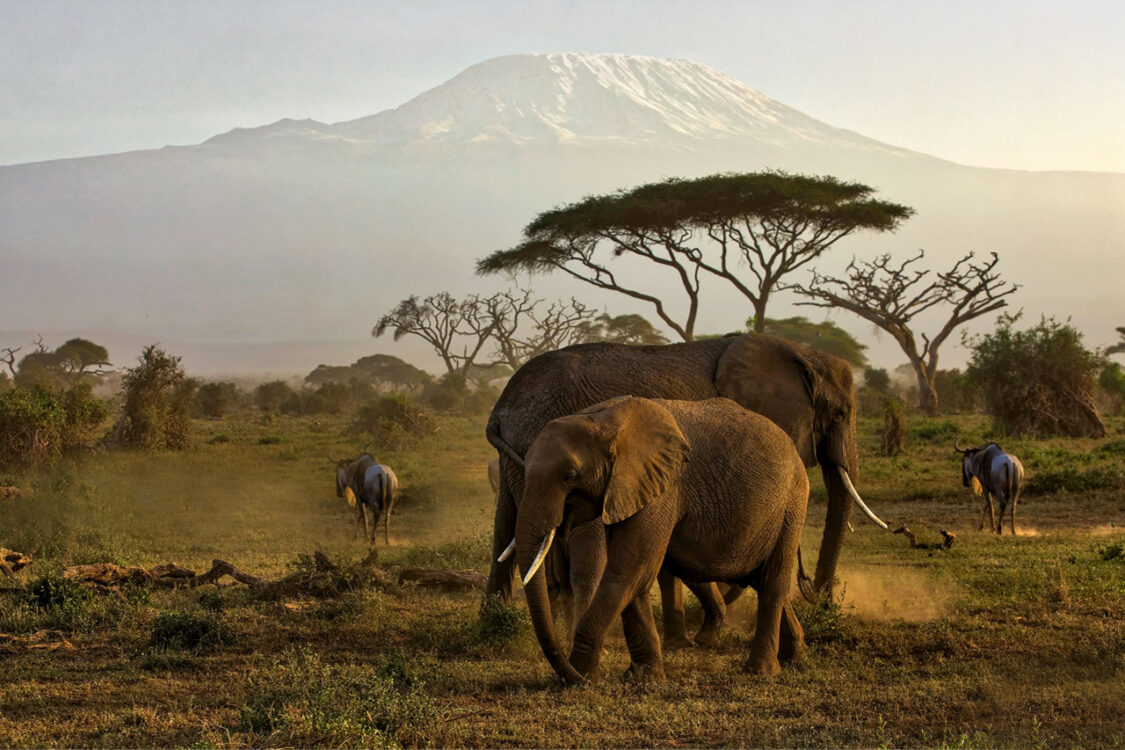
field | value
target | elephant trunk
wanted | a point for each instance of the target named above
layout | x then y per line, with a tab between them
534	532
839	463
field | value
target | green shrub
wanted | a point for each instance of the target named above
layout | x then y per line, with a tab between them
38	425
159	397
392	416
1039	381
1073	480
270	440
186	631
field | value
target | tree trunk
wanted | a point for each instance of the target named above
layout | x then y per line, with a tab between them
927	393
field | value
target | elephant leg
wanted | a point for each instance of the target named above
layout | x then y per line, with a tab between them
773	598
672	606
646	661
586	553
791	638
714	612
500	574
634	557
1014	515
733	591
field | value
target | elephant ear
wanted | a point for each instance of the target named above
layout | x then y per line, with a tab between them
647	451
776	379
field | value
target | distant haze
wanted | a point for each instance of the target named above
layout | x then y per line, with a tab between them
303	231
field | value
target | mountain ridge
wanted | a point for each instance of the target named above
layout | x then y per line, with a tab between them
307	230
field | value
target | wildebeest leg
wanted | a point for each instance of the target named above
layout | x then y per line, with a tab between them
987	506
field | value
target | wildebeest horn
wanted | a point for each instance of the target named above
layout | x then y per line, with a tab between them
957	446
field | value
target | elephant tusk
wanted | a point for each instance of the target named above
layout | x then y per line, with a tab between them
507	551
858	500
543	548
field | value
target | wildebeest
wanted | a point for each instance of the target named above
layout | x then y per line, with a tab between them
371	488
992	472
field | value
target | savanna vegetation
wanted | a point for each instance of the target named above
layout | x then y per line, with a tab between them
997	642
987	642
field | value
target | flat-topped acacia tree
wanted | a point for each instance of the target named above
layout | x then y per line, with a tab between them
749	229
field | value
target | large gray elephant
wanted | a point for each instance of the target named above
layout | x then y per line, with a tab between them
733	512
808	394
372	489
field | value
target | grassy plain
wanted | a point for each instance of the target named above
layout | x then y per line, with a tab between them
998	642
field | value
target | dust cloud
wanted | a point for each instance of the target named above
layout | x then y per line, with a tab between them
903	594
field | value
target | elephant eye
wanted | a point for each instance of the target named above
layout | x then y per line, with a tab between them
571	474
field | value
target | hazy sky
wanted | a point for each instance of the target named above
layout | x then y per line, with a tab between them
1019	83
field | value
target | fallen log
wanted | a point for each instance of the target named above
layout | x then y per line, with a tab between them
11	561
447	580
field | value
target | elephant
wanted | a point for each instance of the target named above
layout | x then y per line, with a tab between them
372	489
808	394
734	512
993	473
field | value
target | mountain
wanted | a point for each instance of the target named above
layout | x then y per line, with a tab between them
304	231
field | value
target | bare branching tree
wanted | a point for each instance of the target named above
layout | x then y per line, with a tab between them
751	230
456	329
522	329
890	296
514	322
9	358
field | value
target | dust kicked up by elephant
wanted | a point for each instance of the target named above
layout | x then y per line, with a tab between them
808	394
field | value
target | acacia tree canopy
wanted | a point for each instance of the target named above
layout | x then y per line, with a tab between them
748	229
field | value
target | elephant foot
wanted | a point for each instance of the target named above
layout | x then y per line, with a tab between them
763	665
708	637
677	643
644	673
794	655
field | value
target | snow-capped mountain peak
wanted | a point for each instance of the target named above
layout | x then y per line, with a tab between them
569	98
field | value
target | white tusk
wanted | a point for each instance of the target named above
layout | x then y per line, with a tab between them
858	500
507	551
543	548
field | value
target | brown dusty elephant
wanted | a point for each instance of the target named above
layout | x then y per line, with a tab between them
706	489
372	489
808	394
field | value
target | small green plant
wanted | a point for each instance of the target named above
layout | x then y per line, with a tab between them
186	631
270	440
302	701
52	591
500	622
824	622
219	439
1113	552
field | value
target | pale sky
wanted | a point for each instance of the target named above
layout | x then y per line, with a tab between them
1012	83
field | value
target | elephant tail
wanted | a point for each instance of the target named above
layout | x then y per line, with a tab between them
492	432
804	583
